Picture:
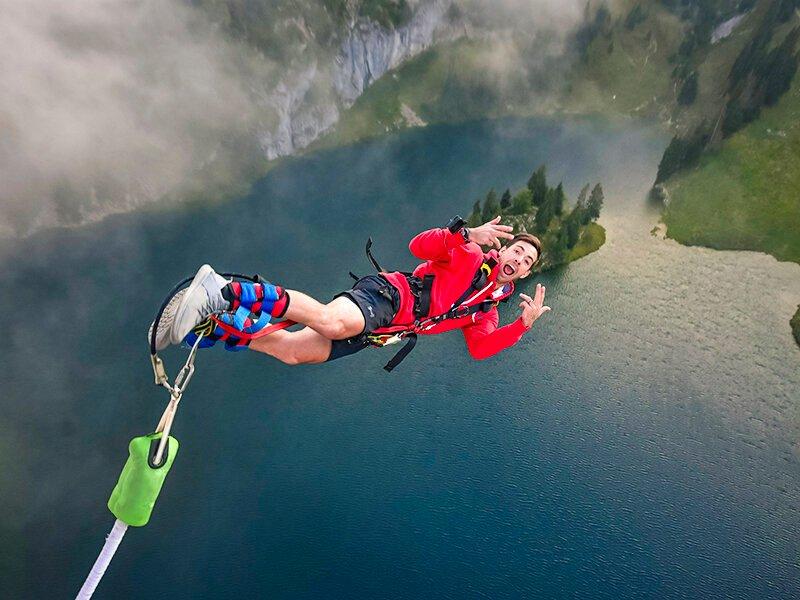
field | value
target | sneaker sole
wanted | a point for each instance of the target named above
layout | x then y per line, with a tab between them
166	322
196	283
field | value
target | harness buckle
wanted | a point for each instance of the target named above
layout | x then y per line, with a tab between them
461	311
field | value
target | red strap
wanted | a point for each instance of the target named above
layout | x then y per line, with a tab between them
228	329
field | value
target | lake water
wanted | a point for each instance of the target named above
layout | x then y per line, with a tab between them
641	440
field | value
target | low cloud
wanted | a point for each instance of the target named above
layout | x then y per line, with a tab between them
107	105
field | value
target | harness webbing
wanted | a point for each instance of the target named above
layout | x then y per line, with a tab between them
248	337
401	354
462	307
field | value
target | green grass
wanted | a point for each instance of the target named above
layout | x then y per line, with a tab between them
628	72
746	194
592	238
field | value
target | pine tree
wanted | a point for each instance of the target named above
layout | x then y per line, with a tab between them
572	226
582	195
475	217
688	93
521	204
580	205
491	208
595	202
559	198
558	251
778	70
505	200
545	213
635	16
537	184
683	152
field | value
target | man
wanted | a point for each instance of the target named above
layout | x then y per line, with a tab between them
458	287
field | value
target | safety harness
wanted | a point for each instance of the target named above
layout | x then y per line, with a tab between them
472	301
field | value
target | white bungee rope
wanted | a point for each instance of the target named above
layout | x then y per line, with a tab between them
114	538
101	564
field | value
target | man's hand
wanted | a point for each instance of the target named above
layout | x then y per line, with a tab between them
533	308
489	234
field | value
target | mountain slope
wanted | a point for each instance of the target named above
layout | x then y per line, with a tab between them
746	194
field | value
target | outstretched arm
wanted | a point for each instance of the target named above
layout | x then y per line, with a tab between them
485	338
436	244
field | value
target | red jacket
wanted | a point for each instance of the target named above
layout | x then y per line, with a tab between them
454	264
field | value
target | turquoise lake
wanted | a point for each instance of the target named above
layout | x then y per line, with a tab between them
640	442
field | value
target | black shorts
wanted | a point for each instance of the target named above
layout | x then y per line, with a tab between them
379	302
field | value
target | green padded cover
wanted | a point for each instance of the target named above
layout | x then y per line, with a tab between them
136	491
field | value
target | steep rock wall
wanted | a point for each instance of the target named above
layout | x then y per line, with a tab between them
308	101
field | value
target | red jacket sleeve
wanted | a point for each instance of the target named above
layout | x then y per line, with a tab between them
485	339
435	244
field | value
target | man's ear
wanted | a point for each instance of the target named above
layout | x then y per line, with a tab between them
524	276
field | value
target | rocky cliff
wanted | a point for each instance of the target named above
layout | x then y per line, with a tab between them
308	100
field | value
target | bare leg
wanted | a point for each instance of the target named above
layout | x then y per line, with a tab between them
294	347
339	320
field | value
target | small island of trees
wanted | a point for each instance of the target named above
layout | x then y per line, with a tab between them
566	233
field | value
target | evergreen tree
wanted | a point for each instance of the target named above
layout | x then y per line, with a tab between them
682	153
557	252
595	202
491	208
505	200
688	93
583	194
635	16
572	226
521	204
736	117
591	29
580	206
545	213
778	70
537	184
475	217
559	198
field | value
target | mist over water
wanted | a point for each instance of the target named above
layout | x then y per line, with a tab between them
108	106
639	442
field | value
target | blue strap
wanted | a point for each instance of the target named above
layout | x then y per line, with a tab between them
239	318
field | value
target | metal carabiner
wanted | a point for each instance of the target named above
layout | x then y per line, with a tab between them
176	392
185	374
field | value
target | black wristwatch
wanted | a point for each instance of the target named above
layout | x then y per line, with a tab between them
456	224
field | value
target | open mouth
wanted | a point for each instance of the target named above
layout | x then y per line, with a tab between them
508	270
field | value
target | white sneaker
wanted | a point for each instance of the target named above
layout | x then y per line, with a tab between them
166	321
191	306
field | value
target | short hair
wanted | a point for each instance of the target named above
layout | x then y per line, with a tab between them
531	239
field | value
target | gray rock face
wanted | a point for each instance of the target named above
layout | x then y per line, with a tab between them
370	50
308	101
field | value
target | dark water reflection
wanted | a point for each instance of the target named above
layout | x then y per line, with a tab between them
640	443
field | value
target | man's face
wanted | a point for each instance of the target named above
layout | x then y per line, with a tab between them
516	261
